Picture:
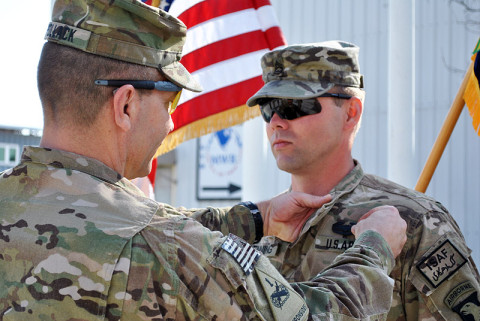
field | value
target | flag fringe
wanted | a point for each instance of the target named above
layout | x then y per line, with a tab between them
207	125
472	100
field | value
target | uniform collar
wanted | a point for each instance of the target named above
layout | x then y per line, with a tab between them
71	161
345	186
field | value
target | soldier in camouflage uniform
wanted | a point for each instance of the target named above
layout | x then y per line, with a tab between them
78	241
311	135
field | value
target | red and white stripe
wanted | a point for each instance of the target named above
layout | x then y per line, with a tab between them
225	41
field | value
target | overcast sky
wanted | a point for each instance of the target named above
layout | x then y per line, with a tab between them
23	25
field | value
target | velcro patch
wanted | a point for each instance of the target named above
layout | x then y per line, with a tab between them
333	243
268	246
267	249
65	34
444	261
463	299
242	252
458	292
285	303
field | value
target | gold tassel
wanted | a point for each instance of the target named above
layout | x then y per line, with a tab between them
207	125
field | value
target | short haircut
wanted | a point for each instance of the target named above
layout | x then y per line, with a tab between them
66	86
352	91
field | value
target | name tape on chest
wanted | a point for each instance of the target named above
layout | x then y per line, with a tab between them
444	261
245	255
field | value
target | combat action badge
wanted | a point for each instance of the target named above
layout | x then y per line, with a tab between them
463	299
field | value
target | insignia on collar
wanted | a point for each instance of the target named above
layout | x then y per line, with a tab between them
442	263
245	255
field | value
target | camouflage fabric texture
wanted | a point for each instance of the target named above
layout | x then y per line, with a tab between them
357	290
435	277
79	242
308	70
126	30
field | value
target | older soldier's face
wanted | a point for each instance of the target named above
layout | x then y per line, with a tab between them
152	126
301	145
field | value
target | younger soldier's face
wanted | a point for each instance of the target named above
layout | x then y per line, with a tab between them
303	144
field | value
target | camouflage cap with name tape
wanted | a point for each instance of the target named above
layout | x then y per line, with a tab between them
308	70
126	30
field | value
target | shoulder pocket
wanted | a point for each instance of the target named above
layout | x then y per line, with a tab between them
250	272
446	279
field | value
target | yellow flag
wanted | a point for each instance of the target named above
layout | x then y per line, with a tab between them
472	91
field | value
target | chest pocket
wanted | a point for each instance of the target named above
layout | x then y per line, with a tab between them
447	281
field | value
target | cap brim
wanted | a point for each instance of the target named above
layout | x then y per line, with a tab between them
289	89
179	75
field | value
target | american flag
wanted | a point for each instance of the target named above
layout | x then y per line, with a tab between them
225	41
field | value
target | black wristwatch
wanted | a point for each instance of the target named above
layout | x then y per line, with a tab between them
257	219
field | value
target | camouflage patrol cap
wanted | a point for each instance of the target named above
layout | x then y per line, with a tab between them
308	70
127	30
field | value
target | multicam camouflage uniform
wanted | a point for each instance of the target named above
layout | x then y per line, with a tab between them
80	242
435	277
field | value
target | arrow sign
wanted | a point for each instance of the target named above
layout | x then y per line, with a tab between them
231	188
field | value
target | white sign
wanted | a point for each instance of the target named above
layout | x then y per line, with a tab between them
219	160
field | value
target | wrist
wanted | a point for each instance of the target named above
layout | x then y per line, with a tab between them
257	219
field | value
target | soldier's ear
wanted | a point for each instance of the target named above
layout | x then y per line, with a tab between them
354	112
122	109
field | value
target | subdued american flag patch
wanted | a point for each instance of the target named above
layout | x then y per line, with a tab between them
244	253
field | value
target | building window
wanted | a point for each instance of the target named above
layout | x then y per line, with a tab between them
9	154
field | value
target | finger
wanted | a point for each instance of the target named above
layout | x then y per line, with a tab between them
313	201
375	209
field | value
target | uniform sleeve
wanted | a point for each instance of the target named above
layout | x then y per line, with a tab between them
224	277
441	280
356	285
236	220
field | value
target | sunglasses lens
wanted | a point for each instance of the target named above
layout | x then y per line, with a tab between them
174	103
309	107
267	112
289	108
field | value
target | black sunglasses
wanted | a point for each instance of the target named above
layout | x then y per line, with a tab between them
293	108
147	84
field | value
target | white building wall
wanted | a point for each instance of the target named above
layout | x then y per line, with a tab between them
445	34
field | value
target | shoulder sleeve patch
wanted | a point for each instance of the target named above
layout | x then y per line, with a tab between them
463	299
286	304
245	255
442	263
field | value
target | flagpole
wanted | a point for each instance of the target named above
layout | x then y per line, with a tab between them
444	135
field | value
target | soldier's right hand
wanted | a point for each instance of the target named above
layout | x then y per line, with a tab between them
285	215
386	221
